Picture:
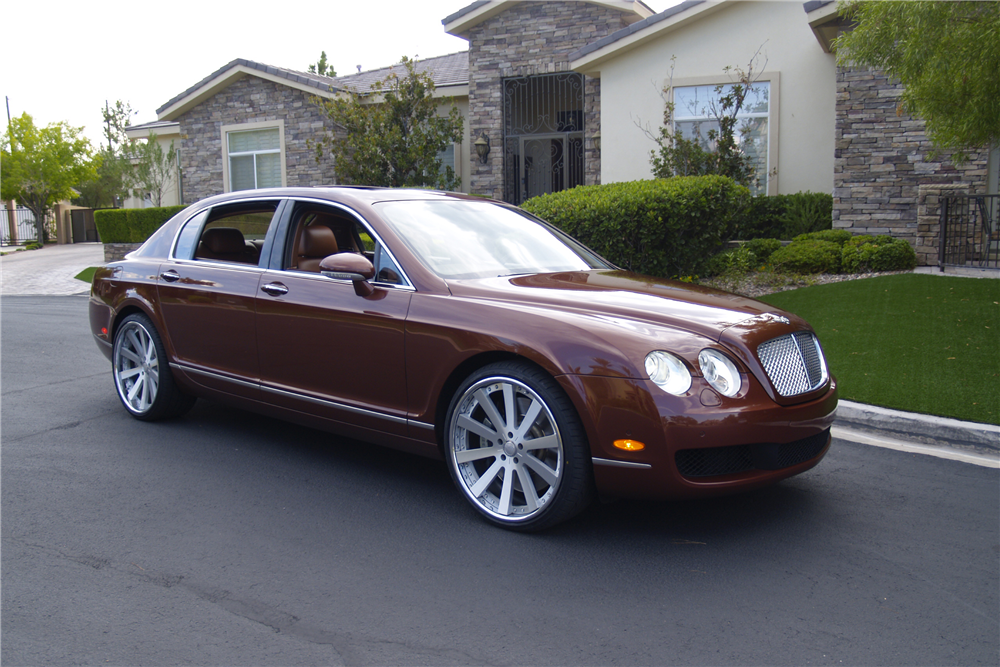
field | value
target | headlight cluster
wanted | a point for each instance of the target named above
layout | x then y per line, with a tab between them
671	375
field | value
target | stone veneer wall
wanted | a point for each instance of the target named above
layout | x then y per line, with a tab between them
886	179
251	99
530	38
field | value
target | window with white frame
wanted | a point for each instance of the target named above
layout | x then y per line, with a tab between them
696	110
254	158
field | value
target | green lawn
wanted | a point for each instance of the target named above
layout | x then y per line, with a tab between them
87	275
913	342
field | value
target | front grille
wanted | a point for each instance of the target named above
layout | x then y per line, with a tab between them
794	363
715	461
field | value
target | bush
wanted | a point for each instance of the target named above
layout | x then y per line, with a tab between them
808	256
786	216
807	212
664	227
762	249
863	254
838	236
131	225
747	257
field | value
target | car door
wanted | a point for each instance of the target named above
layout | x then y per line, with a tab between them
207	293
323	349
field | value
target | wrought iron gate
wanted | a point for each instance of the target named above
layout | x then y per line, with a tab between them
543	135
970	233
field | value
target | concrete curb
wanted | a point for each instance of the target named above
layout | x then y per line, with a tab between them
871	420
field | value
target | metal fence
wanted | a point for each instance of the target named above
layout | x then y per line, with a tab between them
18	226
970	233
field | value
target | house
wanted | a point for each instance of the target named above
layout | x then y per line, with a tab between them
564	93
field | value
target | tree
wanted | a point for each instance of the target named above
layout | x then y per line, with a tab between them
154	169
321	66
946	55
720	150
394	140
42	165
113	171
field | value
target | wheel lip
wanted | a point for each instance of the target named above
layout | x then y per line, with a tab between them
457	473
131	324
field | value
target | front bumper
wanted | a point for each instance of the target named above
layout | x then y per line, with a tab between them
694	448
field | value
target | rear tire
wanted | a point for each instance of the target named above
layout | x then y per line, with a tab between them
143	379
516	448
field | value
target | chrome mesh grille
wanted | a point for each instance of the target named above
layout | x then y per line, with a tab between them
794	363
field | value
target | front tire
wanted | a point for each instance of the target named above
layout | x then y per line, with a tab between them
143	379
516	448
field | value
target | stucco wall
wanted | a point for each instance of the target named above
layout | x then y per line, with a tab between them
529	39
631	84
248	100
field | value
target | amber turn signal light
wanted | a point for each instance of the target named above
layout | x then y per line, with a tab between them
630	445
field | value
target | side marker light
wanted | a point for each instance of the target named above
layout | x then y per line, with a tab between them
630	445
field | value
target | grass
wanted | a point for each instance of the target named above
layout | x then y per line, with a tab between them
913	342
87	275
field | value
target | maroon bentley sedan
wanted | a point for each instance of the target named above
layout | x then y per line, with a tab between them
464	329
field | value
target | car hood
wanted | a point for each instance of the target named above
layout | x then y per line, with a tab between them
620	294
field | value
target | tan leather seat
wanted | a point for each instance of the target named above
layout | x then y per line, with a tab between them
315	243
224	244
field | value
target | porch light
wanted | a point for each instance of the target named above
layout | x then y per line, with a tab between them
482	145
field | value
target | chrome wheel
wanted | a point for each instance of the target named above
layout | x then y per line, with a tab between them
508	453
142	378
137	367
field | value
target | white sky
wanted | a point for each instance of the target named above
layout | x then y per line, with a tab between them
59	61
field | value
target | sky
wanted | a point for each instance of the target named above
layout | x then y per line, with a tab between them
60	61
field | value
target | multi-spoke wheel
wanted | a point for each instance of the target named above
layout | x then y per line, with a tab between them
516	448
145	385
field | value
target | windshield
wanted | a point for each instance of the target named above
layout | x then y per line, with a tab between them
471	239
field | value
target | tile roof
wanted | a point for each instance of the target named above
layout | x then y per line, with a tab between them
634	28
464	10
449	70
323	83
813	5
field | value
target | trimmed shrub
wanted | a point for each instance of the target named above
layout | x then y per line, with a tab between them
807	256
762	249
131	225
838	236
665	227
863	254
763	218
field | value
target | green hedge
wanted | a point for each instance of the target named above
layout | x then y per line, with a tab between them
131	225
807	256
664	227
863	254
787	216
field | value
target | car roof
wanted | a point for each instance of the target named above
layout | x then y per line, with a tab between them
343	193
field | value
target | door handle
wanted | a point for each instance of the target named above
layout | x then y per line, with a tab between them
275	289
170	276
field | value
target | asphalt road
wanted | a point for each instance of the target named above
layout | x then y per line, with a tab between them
226	538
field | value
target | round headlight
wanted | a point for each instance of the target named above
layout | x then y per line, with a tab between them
668	372
720	372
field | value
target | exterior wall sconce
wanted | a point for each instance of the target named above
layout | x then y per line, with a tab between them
482	145
597	141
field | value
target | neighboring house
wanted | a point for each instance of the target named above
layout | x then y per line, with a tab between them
564	93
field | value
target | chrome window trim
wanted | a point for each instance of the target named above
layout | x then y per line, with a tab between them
340	281
364	223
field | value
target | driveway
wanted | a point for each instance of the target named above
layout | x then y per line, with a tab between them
49	271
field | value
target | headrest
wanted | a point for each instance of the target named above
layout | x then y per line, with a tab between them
224	240
318	241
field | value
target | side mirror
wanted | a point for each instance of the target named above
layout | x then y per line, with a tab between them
349	266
